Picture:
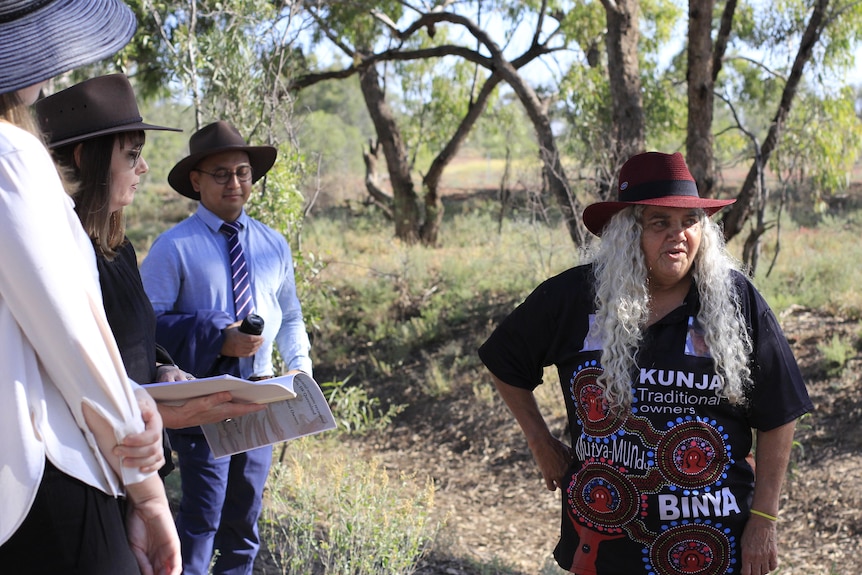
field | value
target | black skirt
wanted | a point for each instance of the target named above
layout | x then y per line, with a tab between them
73	529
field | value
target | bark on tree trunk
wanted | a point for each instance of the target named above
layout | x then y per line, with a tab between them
723	37
389	136
734	219
552	166
624	78
429	233
405	210
699	140
558	182
380	198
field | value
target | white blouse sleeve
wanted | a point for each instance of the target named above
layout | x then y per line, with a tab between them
49	283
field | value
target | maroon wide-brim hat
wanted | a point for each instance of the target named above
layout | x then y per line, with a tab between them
213	139
652	179
96	107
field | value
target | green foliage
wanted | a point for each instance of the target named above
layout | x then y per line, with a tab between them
836	352
432	98
503	131
584	24
234	59
842	36
335	145
229	57
586	102
345	516
342	98
353	22
280	203
815	267
354	410
658	22
586	99
820	159
163	149
281	206
664	97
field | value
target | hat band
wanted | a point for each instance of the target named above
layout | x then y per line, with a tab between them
653	190
105	126
21	12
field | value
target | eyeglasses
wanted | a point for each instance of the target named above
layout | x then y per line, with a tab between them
223	175
134	155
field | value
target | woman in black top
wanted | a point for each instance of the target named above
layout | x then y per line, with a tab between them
668	358
96	134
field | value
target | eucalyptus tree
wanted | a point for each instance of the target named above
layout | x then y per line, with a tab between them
771	69
704	63
819	34
741	71
616	101
229	60
621	39
373	33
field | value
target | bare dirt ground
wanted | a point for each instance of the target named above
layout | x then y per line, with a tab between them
497	512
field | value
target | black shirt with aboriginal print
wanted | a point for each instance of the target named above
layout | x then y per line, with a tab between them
665	488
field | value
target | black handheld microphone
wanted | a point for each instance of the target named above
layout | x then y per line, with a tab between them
252	324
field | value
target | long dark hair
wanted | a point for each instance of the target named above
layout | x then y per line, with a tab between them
90	176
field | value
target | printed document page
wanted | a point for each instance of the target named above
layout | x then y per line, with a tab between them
308	413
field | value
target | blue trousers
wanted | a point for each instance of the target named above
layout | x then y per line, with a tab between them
221	502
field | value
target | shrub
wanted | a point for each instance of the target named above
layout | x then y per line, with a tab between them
815	268
345	516
835	353
354	411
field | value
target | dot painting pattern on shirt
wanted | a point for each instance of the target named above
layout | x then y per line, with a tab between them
664	487
627	461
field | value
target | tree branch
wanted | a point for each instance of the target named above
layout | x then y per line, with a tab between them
760	65
723	36
329	35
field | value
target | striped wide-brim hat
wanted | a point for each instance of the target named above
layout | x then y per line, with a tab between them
40	39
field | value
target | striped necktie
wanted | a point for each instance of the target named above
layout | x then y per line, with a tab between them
239	271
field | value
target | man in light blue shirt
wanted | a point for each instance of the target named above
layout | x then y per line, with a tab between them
198	278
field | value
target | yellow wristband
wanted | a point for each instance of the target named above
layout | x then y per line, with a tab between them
764	515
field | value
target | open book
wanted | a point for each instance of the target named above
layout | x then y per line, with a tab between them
242	390
295	407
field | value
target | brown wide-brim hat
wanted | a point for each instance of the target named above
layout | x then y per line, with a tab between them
652	179
95	107
212	139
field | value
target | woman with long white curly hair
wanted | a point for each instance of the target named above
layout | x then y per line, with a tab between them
668	358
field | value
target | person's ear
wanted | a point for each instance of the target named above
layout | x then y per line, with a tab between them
76	154
195	178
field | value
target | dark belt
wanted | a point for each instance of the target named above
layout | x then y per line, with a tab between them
260	377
